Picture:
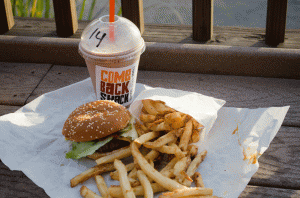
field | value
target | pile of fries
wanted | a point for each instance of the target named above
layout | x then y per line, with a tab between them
165	160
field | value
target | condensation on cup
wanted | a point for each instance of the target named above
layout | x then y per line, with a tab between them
112	54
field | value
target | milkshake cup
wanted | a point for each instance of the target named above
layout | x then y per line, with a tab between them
112	52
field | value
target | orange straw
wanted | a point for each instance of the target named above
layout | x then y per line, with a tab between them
111	20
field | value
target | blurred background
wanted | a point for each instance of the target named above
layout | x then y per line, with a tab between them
241	13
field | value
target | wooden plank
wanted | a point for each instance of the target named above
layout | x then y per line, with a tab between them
5	109
245	92
221	60
44	50
279	166
18	80
228	36
6	16
262	192
237	91
65	17
276	22
206	59
202	20
17	184
133	10
58	77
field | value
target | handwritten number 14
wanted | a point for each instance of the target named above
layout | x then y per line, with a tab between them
97	36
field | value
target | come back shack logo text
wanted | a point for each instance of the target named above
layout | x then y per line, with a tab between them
115	84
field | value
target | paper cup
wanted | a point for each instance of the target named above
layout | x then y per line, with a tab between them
112	53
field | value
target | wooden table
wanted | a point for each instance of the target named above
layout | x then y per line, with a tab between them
279	171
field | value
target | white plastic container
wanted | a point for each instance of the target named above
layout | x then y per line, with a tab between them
112	53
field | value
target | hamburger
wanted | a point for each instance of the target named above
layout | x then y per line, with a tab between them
98	126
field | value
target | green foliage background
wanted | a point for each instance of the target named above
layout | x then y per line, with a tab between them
44	8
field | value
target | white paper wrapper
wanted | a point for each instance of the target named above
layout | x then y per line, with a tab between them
203	108
31	139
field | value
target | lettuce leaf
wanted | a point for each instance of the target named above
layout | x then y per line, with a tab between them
83	149
127	128
129	131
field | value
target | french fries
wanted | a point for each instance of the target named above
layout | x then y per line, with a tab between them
170	165
149	107
161	107
152	155
168	173
124	182
186	136
194	165
146	118
184	192
119	154
193	150
195	136
164	135
198	180
151	172
179	169
159	126
172	149
87	193
148	191
133	173
96	170
175	120
115	191
146	137
115	175
101	185
195	196
96	155
163	140
140	128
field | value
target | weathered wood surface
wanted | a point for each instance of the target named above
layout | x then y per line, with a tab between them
233	51
203	20
18	80
263	192
279	165
229	36
65	17
276	21
134	11
279	170
170	57
6	16
58	77
245	92
5	109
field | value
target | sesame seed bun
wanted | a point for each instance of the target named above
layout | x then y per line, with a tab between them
95	120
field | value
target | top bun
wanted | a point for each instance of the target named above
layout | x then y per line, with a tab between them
95	120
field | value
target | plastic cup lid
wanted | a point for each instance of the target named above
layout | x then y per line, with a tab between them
96	39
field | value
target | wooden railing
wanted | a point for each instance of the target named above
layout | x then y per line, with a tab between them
67	24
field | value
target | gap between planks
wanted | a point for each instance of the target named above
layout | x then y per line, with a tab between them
40	81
